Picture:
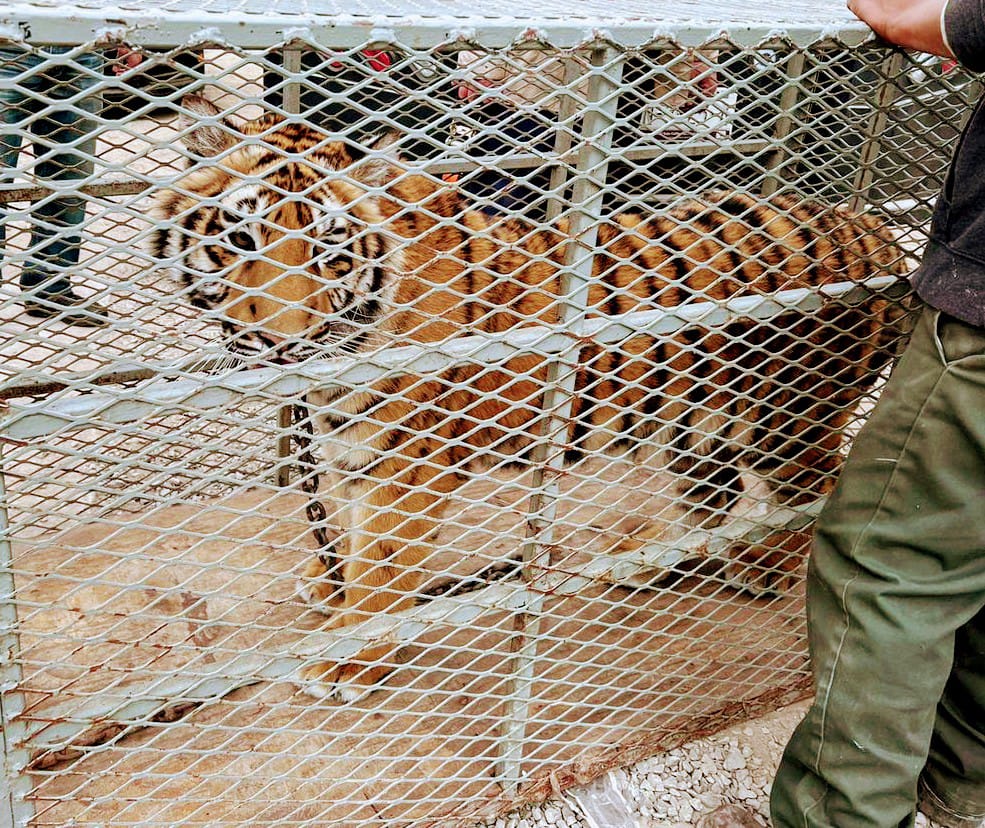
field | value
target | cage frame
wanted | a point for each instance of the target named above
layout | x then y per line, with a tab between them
30	421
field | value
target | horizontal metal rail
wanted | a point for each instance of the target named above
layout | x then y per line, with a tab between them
27	421
256	25
518	161
121	374
61	725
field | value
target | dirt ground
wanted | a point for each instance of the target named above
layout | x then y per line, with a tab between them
116	609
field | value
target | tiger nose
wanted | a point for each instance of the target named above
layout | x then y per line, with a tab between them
291	303
289	321
278	319
274	340
279	348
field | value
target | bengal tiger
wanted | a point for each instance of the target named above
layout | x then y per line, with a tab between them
310	246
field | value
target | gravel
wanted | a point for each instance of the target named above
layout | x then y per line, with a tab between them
674	789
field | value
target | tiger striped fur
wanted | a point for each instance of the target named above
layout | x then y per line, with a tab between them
310	246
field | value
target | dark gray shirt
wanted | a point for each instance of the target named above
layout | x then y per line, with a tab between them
951	275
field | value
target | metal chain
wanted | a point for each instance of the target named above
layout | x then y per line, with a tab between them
327	551
314	508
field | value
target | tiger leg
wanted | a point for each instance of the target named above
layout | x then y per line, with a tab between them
772	566
388	528
317	586
345	447
705	488
712	492
775	564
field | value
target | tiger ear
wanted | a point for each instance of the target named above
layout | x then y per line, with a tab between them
377	158
207	139
385	140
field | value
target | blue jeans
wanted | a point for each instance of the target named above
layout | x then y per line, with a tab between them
32	87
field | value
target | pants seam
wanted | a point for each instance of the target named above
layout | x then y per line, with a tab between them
843	599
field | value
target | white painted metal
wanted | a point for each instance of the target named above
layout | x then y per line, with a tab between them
128	451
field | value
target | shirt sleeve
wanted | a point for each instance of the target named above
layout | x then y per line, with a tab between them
963	29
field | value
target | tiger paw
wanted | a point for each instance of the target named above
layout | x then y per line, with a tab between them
773	567
318	589
653	553
348	681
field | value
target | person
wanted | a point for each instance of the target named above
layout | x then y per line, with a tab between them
32	83
896	580
356	95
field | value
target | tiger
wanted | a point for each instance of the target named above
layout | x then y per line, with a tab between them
309	246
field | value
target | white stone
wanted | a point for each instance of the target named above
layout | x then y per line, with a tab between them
734	761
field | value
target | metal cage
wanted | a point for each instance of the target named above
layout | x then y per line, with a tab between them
166	477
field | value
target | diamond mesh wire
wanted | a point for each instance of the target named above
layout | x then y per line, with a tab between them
567	341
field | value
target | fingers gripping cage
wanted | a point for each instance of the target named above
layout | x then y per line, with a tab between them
630	578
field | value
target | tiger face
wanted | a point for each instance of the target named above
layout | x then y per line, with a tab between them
294	255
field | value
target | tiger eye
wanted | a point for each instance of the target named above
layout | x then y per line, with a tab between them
242	240
337	265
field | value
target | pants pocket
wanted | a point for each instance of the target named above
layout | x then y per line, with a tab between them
957	341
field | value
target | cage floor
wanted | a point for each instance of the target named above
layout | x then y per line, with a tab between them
111	607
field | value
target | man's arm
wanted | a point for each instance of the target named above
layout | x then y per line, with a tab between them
951	28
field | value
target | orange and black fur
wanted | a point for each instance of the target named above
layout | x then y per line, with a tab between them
312	247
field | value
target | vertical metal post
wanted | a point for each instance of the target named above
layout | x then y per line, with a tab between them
16	809
548	458
291	102
784	124
872	143
567	109
292	90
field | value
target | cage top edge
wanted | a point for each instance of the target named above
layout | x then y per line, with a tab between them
256	23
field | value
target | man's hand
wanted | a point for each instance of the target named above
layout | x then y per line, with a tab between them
912	24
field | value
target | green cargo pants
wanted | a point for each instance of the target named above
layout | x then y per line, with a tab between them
896	606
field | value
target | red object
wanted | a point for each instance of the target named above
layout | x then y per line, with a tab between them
707	84
377	60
